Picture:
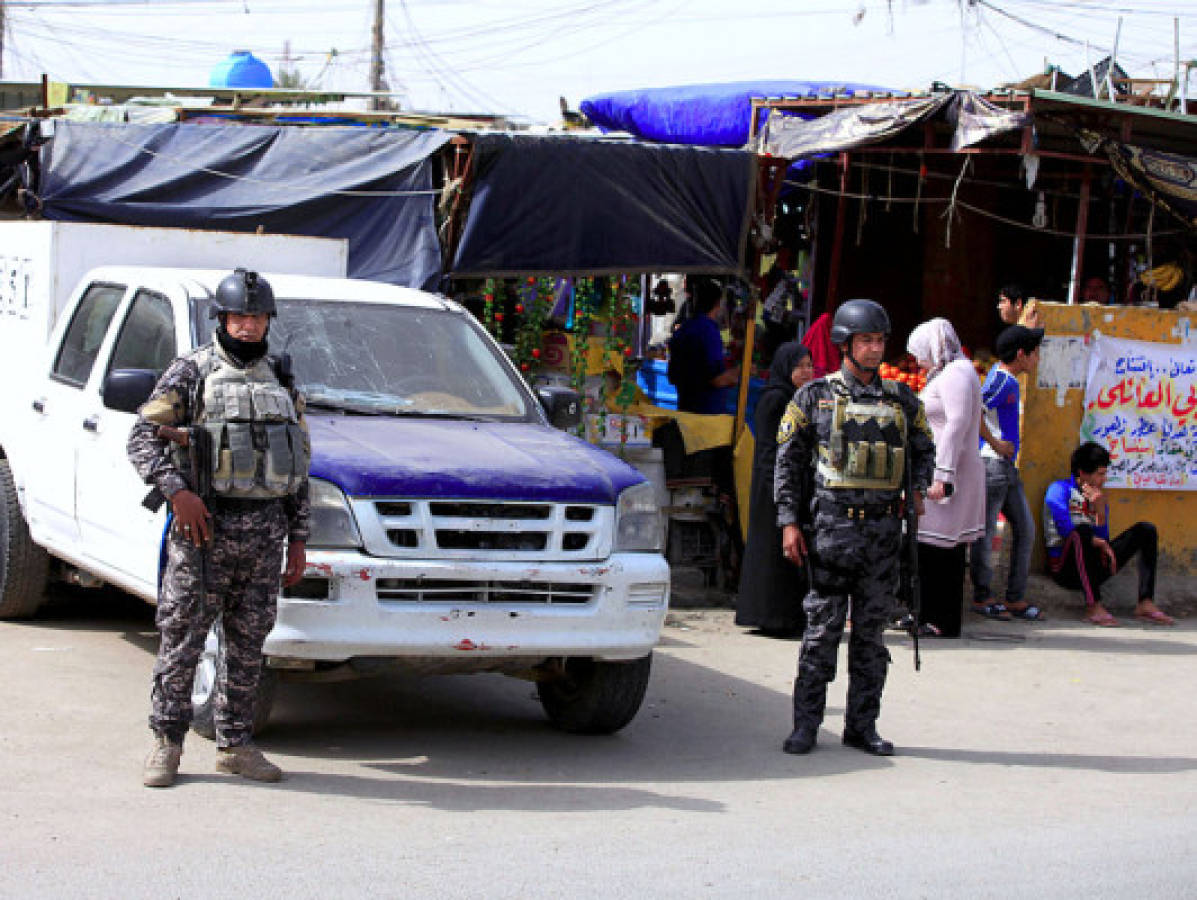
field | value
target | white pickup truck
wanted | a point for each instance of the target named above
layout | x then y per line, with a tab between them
453	528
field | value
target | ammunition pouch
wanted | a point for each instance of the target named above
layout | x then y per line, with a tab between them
259	449
866	448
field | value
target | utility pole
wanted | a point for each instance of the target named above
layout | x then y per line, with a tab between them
378	80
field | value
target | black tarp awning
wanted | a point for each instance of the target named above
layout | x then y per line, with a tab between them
371	186
972	117
581	206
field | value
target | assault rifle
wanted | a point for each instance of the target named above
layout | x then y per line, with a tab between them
198	444
910	589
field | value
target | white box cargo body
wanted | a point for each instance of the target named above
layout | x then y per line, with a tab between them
42	263
47	260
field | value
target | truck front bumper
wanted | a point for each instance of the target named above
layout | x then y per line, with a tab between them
613	609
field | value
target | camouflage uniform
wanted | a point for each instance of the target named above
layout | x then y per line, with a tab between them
245	559
855	550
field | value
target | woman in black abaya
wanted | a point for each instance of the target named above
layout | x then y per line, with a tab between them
771	587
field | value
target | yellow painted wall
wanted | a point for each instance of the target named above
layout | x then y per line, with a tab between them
1051	429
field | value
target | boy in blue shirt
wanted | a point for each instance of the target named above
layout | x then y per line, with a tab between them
1076	525
1018	353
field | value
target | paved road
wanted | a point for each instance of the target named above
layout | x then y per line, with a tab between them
1036	760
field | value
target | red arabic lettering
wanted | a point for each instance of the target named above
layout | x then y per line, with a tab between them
1182	409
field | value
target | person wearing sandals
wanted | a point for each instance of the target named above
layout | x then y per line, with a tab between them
771	587
1018	353
1076	525
956	516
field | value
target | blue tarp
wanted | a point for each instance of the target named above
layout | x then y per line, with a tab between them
581	206
706	114
284	179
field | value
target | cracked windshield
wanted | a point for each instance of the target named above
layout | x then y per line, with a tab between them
371	359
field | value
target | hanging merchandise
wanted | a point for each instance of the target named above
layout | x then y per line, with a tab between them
1039	220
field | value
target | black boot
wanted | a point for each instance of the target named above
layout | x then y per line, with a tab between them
869	741
801	740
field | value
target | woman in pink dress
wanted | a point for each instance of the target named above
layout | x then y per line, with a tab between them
955	511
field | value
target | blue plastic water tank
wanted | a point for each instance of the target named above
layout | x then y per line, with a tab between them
241	70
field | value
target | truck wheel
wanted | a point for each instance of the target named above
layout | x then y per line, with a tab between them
23	564
595	697
203	692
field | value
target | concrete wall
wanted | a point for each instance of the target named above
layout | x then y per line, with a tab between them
1051	426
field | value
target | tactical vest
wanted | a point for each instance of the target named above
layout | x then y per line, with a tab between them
259	449
866	448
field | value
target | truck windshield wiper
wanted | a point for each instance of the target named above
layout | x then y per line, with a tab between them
424	414
362	409
341	406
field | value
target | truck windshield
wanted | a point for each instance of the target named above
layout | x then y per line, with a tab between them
393	360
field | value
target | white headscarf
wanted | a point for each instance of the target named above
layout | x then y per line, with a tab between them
934	344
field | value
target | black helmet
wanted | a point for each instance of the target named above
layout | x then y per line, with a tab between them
858	317
244	292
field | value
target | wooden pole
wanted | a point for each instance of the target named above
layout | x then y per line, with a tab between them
746	366
377	79
770	178
837	245
1078	244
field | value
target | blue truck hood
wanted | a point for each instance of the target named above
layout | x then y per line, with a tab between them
388	457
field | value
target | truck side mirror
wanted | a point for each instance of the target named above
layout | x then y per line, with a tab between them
563	406
127	389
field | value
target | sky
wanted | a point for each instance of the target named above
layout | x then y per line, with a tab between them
517	57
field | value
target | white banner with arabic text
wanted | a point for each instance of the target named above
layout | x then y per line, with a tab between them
1141	405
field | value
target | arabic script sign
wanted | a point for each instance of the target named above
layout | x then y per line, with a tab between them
1141	404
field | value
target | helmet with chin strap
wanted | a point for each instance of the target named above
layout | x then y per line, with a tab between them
858	317
244	293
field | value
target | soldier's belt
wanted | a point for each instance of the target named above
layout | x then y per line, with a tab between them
860	512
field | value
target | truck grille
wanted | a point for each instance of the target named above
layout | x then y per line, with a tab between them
438	590
485	530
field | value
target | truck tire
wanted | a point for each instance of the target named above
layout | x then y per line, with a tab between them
23	564
203	692
595	697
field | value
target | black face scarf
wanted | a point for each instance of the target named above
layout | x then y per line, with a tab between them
244	353
785	360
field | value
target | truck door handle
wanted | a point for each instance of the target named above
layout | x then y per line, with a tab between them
39	405
91	423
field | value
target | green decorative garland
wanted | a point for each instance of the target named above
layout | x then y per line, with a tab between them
533	308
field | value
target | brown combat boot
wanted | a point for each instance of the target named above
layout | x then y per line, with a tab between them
162	765
248	762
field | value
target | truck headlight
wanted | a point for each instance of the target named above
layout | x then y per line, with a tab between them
332	521
638	520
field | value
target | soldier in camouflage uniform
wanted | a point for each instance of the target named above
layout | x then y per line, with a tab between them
224	552
854	431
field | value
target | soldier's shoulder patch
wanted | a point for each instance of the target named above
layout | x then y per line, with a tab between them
793	419
165	409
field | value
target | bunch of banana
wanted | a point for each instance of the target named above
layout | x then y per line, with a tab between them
1164	277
